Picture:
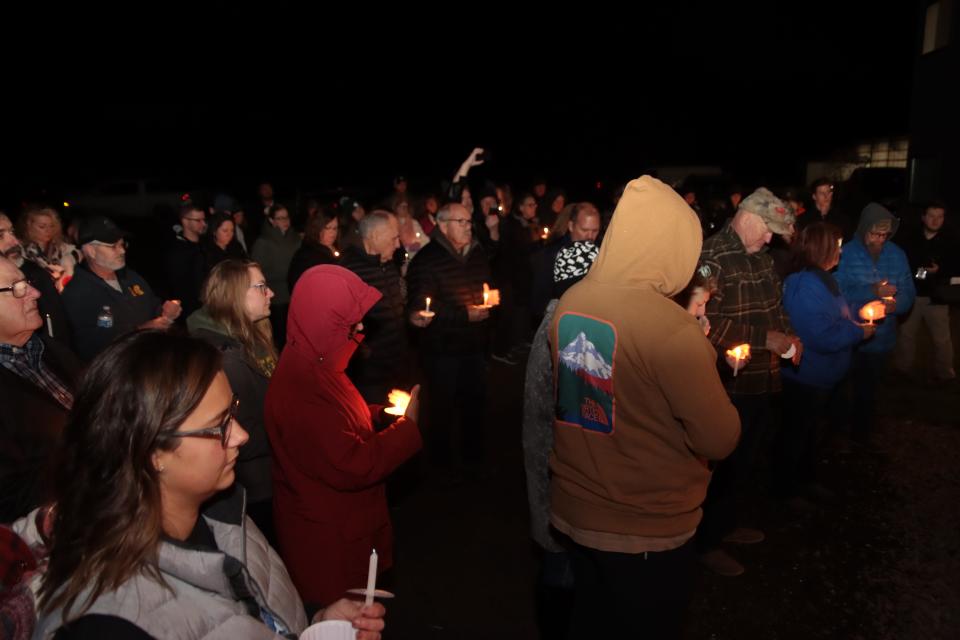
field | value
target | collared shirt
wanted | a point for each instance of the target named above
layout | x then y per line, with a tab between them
746	305
27	362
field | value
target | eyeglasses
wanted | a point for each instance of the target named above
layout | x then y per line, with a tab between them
263	286
879	234
221	431
18	289
196	219
461	221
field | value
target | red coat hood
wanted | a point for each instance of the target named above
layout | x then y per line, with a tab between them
327	301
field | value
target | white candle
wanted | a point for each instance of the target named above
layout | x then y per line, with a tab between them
371	578
428	306
49	326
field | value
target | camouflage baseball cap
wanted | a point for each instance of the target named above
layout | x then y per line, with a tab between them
778	215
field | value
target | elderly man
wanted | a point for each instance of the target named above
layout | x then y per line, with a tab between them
51	308
746	309
383	361
105	299
36	393
874	269
451	271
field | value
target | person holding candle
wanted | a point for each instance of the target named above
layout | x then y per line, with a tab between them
383	360
37	377
319	245
639	410
332	451
51	306
874	268
451	271
163	549
745	309
830	331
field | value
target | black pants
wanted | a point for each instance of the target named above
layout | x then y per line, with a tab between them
626	595
865	374
732	474
456	388
795	447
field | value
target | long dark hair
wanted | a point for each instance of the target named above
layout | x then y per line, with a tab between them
108	518
816	245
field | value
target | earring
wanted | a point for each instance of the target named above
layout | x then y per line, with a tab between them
160	469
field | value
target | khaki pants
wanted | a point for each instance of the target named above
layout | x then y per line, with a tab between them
937	319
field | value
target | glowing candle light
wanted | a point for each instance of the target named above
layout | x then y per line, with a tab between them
399	399
739	352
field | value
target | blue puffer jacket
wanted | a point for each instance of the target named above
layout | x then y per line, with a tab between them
857	275
823	322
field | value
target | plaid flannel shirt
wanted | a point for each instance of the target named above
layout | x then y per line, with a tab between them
745	306
27	362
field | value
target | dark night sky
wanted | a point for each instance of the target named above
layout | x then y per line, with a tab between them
575	95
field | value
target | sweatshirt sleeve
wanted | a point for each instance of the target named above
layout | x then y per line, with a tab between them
687	373
345	458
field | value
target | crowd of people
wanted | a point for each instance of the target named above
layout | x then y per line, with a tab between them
208	453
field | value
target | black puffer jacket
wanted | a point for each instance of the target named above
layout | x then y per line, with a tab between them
383	358
452	281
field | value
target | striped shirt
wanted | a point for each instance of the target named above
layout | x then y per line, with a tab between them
27	362
745	306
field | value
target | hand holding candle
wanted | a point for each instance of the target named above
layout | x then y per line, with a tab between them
399	399
874	310
739	355
426	313
491	297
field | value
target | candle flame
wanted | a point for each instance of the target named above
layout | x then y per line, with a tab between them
740	352
486	292
399	399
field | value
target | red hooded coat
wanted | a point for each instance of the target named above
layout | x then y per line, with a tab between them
329	464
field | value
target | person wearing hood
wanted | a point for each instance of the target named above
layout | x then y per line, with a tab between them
332	452
234	318
640	409
873	269
274	250
745	309
451	271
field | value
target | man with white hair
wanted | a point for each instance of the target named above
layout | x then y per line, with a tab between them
36	393
105	299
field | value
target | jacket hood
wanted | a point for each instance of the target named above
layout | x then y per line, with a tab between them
653	241
871	215
327	302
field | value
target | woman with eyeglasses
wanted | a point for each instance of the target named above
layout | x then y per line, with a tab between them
235	318
333	452
149	536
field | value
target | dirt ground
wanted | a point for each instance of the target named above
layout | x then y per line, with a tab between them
883	562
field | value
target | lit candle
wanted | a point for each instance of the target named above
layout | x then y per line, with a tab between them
869	315
49	326
546	233
739	352
399	399
336	254
371	578
486	293
428	305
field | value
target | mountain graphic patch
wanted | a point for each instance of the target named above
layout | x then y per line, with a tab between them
585	372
